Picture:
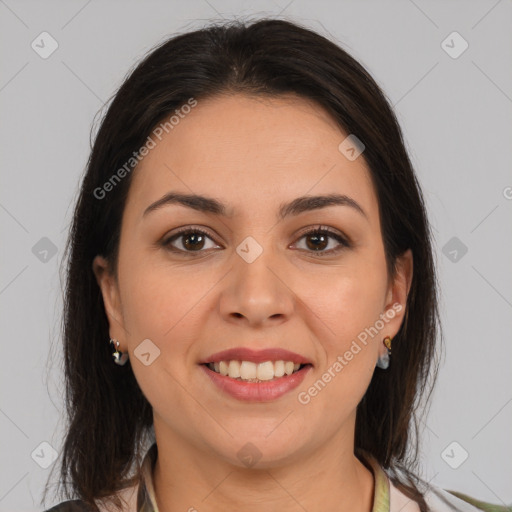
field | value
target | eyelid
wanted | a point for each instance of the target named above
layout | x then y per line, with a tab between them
184	230
344	242
324	229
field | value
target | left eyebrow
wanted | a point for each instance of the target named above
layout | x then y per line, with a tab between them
295	207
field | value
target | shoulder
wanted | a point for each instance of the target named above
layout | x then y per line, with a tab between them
442	500
70	506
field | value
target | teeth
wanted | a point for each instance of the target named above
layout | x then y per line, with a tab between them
265	371
223	368
278	368
234	369
247	370
255	372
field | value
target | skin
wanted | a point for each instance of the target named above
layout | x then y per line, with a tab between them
253	154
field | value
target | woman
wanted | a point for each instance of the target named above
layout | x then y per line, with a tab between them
251	314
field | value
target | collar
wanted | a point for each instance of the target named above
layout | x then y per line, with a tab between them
146	500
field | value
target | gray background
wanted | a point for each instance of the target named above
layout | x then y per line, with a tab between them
456	117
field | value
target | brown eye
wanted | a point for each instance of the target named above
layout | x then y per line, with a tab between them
191	240
194	240
317	241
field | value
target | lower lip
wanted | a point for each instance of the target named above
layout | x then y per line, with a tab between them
257	391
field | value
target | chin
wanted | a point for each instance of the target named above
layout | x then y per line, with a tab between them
259	450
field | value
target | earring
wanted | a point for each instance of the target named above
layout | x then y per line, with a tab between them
383	361
117	355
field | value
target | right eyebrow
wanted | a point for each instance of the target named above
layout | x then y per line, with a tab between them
309	203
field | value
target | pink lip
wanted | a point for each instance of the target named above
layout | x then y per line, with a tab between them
257	391
255	356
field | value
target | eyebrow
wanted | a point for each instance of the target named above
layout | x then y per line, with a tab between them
210	205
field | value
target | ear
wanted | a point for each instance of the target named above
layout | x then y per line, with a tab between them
111	299
397	293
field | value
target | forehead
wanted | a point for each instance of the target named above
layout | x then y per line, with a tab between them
249	150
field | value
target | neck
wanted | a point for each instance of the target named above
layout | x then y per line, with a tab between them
328	478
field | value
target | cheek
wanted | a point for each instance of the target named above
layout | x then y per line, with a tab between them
151	303
163	302
346	311
346	300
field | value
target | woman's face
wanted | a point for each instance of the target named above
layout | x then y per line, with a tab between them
256	280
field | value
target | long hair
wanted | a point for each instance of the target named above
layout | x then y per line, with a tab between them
108	416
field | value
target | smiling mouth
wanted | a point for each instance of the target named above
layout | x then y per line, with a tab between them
247	371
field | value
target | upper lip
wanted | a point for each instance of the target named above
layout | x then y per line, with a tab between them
255	356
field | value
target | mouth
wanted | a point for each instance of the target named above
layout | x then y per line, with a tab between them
255	382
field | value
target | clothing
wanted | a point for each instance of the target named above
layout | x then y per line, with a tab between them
386	497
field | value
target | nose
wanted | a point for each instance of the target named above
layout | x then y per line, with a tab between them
256	293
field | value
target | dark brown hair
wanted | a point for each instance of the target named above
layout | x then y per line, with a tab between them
108	416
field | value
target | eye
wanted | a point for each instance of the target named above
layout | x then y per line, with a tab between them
318	239
192	240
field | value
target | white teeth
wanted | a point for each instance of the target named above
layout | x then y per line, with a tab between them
266	371
278	368
223	368
234	369
288	367
247	370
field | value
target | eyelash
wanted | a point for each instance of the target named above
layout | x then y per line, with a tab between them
319	230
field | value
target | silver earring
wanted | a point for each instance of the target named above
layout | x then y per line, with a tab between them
383	361
117	355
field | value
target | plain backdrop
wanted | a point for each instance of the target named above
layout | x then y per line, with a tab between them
453	97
